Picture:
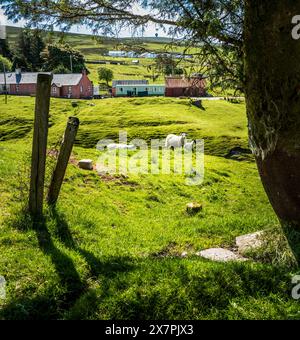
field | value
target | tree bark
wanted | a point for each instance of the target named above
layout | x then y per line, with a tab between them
272	76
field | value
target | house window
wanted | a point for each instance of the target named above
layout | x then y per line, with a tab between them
17	88
54	90
121	89
70	89
81	89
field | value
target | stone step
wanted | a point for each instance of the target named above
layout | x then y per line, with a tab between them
86	164
220	255
249	242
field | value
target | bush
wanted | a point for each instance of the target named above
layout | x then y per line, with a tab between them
57	55
7	63
61	69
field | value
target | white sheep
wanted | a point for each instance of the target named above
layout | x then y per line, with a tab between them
189	145
173	141
115	146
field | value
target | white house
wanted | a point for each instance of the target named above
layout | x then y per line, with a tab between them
117	54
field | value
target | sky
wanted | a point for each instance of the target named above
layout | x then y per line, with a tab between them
150	30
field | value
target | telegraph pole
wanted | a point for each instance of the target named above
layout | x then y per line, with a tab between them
3	37
71	63
5	83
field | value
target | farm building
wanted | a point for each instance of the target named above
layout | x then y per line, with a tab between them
178	86
127	83
75	86
138	90
148	55
118	54
122	54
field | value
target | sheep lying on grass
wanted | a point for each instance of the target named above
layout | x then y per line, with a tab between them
115	146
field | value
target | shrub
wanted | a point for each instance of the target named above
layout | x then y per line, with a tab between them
7	63
61	69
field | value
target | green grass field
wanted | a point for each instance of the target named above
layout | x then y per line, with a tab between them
112	247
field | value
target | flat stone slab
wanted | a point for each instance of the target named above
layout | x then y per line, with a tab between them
220	255
86	164
249	242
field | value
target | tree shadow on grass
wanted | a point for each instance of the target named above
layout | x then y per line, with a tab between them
222	291
218	291
293	238
50	304
97	267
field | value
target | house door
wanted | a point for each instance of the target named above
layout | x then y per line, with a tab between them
143	94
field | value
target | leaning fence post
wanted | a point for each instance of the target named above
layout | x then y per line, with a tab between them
39	145
63	160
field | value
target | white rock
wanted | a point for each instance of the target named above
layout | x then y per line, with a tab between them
249	242
184	254
86	164
220	255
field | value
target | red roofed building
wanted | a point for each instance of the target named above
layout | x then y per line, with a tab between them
77	86
178	86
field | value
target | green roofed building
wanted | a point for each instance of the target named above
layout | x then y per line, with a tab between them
139	90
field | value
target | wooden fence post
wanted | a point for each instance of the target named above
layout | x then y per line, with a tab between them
39	145
63	160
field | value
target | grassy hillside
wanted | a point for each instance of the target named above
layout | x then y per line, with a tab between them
79	39
112	247
221	124
92	48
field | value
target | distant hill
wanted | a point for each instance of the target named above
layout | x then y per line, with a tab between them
13	32
95	48
159	40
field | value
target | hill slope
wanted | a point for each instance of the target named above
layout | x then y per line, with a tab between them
112	247
93	47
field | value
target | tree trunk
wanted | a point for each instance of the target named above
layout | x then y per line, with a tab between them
272	76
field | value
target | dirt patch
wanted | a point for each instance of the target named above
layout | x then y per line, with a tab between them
169	250
53	153
175	250
128	183
118	180
108	178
